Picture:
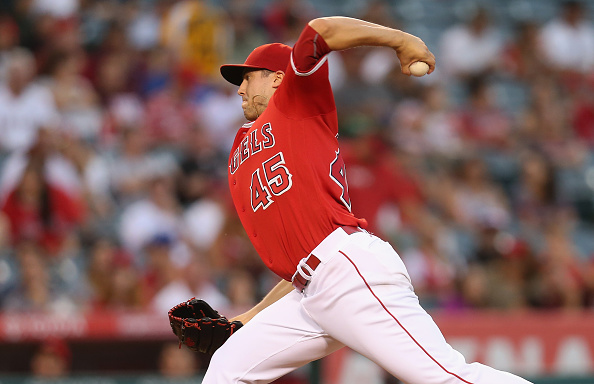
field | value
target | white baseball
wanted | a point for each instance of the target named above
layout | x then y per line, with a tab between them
419	68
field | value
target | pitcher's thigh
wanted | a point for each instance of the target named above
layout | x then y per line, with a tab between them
277	341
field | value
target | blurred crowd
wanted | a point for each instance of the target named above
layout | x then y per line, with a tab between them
52	359
115	129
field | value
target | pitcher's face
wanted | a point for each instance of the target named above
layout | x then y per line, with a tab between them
256	89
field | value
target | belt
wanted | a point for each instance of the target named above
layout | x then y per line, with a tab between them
308	265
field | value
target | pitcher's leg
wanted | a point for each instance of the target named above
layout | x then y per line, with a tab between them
275	342
409	345
378	315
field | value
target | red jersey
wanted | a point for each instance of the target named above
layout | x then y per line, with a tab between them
26	223
286	174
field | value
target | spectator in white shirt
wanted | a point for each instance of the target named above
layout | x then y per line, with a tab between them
25	107
472	48
568	40
158	214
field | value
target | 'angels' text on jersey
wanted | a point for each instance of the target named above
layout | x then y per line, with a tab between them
252	144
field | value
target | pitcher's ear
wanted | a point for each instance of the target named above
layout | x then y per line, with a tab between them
278	78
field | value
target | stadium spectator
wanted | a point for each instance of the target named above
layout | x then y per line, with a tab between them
199	35
482	123
171	112
491	255
76	99
164	283
158	214
241	288
25	106
156	71
233	249
51	360
545	119
561	282
431	272
568	39
113	67
473	200
112	76
199	163
204	220
114	281
122	113
363	105
145	24
132	166
283	19
523	56
177	363
92	170
380	188
218	115
205	284
427	127
246	33
125	288
54	35
535	197
42	212
36	290
471	49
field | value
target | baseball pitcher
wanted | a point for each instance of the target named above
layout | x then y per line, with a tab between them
341	285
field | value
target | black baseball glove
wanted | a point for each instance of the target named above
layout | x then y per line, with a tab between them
197	325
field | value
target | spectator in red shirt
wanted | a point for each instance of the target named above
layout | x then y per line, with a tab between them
483	124
41	212
380	189
561	282
51	360
113	278
523	56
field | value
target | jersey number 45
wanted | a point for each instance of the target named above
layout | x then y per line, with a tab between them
278	180
274	179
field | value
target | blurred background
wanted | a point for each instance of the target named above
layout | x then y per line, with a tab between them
115	128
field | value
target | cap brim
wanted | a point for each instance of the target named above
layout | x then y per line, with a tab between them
233	73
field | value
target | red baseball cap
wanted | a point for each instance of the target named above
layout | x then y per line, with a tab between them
274	57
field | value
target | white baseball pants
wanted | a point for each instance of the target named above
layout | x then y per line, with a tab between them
360	296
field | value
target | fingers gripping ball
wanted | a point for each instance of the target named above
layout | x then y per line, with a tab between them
197	325
418	68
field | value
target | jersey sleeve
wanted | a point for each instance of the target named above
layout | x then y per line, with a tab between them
306	90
